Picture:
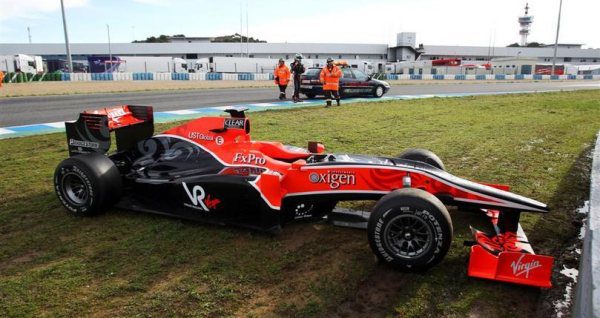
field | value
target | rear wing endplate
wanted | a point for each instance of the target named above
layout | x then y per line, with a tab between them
91	131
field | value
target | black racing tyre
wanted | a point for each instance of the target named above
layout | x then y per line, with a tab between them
410	229
87	184
311	96
378	91
423	155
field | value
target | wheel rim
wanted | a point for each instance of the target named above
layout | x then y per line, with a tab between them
408	236
379	91
75	189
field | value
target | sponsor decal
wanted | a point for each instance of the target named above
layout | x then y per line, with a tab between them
199	135
83	143
219	140
335	179
200	201
116	113
234	123
519	268
243	171
249	159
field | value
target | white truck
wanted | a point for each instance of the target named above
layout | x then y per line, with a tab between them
31	64
223	64
153	64
130	64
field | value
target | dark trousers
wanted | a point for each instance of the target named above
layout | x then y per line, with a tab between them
297	87
329	94
282	91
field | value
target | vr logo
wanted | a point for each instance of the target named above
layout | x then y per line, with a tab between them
196	196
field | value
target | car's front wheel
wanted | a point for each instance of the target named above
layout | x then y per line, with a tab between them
378	91
410	229
311	96
87	184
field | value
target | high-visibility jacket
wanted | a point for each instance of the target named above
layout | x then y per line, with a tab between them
1	78
331	78
282	74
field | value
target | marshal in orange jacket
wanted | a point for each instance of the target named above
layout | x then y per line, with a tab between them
331	78
282	75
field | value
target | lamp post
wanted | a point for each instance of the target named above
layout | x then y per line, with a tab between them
69	61
556	40
109	51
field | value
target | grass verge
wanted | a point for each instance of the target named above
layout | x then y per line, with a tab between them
124	263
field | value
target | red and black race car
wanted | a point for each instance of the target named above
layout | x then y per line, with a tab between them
209	169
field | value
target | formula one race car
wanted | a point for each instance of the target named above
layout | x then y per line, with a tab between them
210	169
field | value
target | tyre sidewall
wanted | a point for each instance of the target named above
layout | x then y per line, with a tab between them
69	166
435	219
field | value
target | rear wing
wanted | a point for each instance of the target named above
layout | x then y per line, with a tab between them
91	131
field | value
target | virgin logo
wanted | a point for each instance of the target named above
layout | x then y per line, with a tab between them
197	196
519	268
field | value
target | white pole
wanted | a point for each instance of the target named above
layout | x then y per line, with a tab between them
556	40
247	34
29	34
241	32
109	51
69	61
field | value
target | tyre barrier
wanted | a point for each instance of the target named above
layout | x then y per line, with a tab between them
101	76
245	77
214	76
180	76
142	76
19	77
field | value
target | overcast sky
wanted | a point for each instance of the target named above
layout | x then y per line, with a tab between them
439	22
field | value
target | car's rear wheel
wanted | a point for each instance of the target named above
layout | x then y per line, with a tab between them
87	184
423	155
311	96
410	229
378	91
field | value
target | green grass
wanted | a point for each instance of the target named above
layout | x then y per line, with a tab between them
124	263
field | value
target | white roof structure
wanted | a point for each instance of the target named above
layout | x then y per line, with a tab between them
192	48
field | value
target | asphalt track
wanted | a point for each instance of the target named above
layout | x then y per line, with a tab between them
45	109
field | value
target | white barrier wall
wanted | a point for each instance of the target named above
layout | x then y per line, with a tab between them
81	77
230	76
261	76
197	76
122	76
162	76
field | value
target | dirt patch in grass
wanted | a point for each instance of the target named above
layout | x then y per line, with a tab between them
123	263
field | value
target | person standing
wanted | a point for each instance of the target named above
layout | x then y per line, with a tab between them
297	70
1	78
330	78
282	77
